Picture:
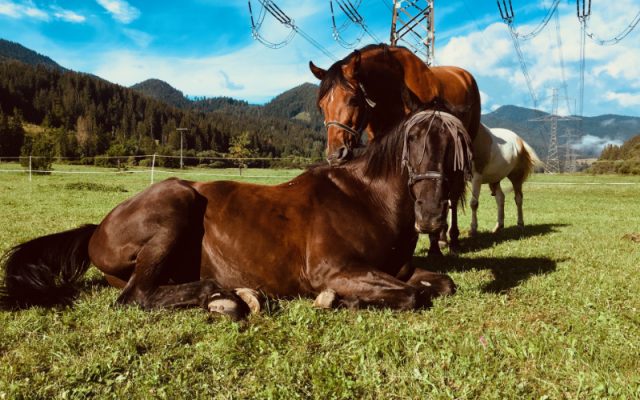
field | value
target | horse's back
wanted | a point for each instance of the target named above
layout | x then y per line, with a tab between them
502	155
454	84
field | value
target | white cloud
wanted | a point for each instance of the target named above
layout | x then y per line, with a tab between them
142	39
21	10
30	10
33	12
68	15
120	10
590	144
624	99
233	74
10	9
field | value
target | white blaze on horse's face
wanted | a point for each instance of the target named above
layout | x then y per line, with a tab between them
343	118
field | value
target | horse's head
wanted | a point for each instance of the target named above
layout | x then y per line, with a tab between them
345	104
437	155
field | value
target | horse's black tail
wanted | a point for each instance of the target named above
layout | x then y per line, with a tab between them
43	271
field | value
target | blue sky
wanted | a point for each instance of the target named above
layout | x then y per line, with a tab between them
205	47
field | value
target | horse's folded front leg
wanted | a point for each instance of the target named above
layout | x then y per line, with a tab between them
361	288
441	284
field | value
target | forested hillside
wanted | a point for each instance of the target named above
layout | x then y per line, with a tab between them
623	159
89	116
15	51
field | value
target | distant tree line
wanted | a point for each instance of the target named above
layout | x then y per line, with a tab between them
85	116
624	159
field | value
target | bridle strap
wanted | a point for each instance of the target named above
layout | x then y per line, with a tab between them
413	178
356	133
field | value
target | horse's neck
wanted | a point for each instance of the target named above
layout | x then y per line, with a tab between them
418	77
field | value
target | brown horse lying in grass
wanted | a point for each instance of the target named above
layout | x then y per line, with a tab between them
347	232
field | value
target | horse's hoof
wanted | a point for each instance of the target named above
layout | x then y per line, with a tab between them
442	244
521	225
498	228
326	299
223	304
473	233
251	298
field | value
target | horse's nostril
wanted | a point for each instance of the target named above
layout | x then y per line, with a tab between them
419	202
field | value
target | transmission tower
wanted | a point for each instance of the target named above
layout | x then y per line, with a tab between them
569	152
552	164
412	23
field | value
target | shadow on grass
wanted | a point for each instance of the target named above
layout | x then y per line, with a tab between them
487	239
508	272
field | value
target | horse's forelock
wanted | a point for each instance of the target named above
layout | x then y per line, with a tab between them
334	76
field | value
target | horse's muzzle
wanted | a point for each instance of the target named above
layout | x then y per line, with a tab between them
339	156
428	219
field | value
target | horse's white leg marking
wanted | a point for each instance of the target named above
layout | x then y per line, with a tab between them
500	204
476	185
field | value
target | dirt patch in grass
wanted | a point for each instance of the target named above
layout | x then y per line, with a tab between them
95	187
634	237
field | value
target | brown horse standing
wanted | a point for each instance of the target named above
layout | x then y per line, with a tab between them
375	87
193	244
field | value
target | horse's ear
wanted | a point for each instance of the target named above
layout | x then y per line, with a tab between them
351	69
317	71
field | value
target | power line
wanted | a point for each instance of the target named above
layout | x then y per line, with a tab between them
616	39
351	11
336	31
540	26
561	57
277	13
508	16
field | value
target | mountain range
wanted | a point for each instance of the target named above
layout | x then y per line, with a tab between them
298	105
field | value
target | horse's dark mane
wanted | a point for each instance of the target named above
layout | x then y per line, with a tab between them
381	157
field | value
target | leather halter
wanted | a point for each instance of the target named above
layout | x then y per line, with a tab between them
356	133
413	176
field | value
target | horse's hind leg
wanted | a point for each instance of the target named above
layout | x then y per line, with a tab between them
158	263
497	192
517	189
476	185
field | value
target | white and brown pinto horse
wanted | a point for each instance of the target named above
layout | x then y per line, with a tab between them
499	153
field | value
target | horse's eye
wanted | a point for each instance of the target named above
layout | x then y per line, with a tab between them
412	138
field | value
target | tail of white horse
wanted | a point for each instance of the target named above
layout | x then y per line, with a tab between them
530	158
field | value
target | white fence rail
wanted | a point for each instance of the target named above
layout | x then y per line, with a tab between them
152	170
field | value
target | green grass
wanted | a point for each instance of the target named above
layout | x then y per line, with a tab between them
552	311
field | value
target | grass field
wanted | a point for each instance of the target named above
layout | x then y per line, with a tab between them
552	311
